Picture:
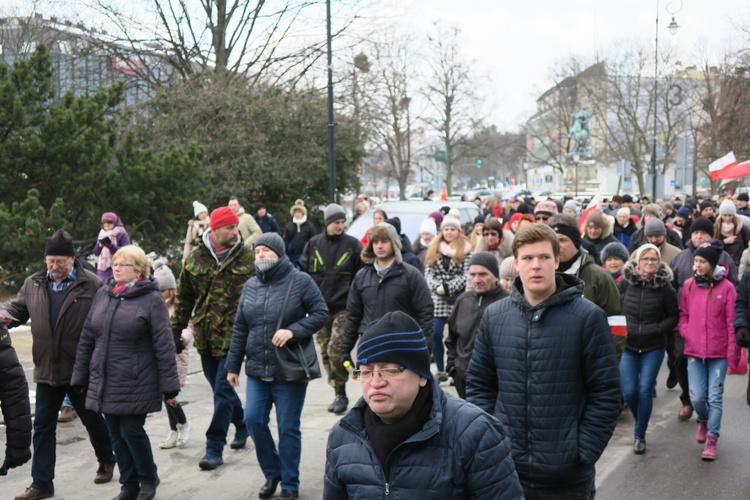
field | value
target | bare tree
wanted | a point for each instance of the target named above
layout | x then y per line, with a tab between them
277	42
451	95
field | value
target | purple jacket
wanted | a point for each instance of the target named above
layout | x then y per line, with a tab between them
707	319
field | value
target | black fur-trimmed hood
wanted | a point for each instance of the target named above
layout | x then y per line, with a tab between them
662	277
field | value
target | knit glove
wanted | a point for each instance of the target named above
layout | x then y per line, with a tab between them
742	335
14	457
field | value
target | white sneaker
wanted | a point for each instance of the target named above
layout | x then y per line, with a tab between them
170	442
183	434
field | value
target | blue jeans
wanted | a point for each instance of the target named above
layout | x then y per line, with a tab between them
638	373
133	450
706	379
227	405
48	401
438	349
289	399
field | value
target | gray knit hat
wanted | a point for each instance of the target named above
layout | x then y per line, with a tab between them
486	260
272	241
164	275
614	249
334	212
508	268
654	227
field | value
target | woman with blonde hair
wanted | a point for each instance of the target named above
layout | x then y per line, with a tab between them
126	359
446	272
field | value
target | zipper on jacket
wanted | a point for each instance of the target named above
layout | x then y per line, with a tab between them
387	489
528	392
265	315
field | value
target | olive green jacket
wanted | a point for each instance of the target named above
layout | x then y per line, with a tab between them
208	293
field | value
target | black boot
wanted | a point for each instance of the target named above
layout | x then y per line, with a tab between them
341	403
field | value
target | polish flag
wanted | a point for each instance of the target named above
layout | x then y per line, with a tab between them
719	168
734	171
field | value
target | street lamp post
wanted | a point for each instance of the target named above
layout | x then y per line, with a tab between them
673	27
331	123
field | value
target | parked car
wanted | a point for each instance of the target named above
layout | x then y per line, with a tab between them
411	214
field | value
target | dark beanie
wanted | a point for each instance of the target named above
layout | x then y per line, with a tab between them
626	198
334	212
60	243
479	219
486	260
684	212
703	224
396	223
271	240
711	252
395	338
743	197
705	204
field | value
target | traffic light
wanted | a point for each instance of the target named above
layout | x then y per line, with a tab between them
479	163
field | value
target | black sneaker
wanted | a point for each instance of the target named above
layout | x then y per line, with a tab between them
240	441
210	462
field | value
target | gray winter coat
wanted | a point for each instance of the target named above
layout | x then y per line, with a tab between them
549	373
461	452
258	314
126	355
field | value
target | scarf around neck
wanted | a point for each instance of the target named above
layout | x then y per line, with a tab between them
123	288
104	261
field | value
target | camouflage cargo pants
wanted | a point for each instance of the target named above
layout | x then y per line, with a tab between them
329	338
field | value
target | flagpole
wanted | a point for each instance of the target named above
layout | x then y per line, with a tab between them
656	98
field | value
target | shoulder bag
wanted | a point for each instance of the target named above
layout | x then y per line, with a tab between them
297	361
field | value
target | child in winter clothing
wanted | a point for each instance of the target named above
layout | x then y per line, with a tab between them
179	426
707	310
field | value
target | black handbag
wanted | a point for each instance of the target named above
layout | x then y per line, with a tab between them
297	361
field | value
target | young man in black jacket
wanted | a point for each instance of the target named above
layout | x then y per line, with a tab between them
332	258
385	284
484	275
545	365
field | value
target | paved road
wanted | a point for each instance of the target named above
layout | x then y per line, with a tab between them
670	469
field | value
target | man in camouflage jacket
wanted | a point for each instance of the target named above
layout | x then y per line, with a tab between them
208	292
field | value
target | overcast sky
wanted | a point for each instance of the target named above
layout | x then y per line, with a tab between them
517	42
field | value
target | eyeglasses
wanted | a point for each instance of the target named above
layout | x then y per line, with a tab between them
56	262
542	217
119	264
650	260
490	233
385	373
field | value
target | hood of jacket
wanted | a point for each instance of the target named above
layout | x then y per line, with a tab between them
662	277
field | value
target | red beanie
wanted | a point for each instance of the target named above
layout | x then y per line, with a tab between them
516	216
223	216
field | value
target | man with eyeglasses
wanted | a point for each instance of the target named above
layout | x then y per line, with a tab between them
454	449
57	300
544	210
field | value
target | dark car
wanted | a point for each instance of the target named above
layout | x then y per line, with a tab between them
411	214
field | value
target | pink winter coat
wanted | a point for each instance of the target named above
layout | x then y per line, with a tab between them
706	322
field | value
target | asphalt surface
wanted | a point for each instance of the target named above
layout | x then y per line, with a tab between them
671	467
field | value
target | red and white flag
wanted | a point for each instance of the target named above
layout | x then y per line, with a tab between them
719	168
735	171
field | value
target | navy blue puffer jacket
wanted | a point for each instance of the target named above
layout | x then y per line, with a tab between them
550	374
460	453
258	315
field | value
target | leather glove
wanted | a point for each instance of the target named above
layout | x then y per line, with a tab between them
742	335
177	336
440	290
15	457
79	389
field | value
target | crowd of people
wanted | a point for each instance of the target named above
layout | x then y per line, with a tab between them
551	317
